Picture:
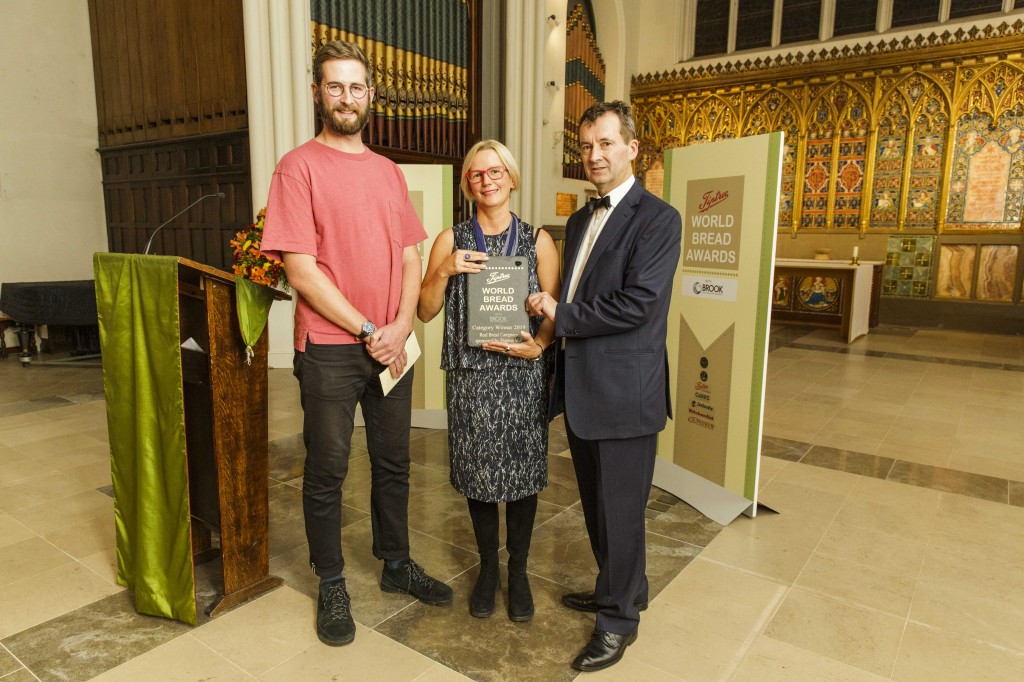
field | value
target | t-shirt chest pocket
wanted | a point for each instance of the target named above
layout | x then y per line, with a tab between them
395	224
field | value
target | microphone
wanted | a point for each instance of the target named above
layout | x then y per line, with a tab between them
219	195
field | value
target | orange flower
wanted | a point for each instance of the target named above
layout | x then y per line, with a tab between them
249	261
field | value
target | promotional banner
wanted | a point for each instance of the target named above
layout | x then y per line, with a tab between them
727	193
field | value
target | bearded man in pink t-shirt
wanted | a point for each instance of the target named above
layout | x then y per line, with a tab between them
340	218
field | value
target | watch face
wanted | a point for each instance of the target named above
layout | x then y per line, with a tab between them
368	328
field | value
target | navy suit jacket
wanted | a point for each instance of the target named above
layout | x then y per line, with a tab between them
612	377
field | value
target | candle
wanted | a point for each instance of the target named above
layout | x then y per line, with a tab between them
856	249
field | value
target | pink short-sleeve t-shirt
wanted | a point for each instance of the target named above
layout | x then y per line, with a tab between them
352	212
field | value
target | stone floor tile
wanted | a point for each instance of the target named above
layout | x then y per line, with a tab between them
928	654
372	656
856	636
83	642
948	480
495	648
770	660
263	632
848	461
858	584
182	659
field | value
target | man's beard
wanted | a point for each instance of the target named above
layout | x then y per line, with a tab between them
345	127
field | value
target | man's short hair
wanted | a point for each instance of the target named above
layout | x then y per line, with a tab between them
507	160
339	49
626	124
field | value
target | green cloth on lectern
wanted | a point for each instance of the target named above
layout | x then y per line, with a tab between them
252	301
137	303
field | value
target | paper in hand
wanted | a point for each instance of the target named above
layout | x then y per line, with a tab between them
412	351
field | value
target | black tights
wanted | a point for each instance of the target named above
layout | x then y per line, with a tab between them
519	518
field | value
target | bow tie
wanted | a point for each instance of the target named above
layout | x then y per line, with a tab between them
604	202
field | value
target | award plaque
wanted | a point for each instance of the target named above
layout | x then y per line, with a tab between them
497	301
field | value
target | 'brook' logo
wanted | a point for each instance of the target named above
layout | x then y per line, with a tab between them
706	287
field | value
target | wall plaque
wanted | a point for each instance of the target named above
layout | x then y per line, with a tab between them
565	203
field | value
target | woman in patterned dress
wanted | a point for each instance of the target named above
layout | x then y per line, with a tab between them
497	393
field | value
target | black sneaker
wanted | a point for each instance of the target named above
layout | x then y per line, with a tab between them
410	578
334	624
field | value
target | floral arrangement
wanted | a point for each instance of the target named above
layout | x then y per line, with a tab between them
249	261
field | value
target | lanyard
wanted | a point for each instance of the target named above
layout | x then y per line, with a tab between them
511	240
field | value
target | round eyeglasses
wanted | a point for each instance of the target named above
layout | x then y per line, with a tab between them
357	90
477	176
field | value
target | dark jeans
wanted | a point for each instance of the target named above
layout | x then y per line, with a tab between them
332	380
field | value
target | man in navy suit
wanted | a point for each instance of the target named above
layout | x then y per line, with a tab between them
612	369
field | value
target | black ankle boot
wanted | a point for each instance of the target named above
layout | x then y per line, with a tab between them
519	517
481	602
520	598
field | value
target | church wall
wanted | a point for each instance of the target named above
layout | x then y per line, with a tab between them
619	36
51	201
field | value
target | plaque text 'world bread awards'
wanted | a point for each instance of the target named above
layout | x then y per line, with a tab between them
497	301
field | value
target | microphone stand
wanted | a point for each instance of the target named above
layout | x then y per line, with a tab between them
219	195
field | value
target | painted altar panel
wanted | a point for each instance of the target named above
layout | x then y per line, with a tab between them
997	270
925	173
851	153
956	270
817	168
890	151
931	115
818	294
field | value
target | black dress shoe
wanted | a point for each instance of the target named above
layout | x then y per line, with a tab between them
587	601
602	651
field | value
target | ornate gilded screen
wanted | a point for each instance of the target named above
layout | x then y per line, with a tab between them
895	136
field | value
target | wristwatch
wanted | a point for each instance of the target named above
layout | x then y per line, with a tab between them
367	329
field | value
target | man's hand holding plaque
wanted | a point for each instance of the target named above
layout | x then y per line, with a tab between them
527	348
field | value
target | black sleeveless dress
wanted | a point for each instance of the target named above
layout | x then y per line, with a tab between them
497	405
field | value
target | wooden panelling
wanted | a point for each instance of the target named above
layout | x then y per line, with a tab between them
172	124
167	69
146	184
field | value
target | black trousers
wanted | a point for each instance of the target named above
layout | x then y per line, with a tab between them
614	478
332	380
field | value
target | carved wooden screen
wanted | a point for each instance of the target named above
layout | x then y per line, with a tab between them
584	80
425	58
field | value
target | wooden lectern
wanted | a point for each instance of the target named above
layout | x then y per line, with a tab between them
223	410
